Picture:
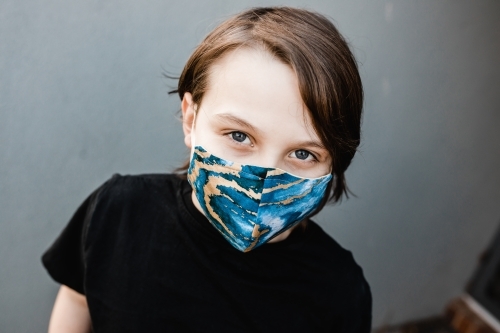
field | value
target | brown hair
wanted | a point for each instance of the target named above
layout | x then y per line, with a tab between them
327	72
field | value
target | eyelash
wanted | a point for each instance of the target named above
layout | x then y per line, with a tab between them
313	160
230	136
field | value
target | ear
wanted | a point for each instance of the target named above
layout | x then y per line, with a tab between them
188	117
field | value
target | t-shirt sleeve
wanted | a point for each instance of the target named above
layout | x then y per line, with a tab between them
358	311
64	259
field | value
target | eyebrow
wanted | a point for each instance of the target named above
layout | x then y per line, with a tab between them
229	118
312	144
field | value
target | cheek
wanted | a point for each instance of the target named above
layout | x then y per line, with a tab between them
204	136
328	167
324	168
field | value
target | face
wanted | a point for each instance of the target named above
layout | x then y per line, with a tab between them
252	113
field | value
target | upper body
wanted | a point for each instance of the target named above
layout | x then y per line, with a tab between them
147	260
271	106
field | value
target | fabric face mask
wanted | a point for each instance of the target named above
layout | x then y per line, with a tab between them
251	204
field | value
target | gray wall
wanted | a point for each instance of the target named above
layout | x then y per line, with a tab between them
81	97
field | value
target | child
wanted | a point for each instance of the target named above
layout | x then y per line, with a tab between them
271	106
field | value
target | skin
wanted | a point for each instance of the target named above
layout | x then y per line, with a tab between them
252	113
70	313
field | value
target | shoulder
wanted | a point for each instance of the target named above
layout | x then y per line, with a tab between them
132	201
328	249
344	280
338	264
128	184
138	188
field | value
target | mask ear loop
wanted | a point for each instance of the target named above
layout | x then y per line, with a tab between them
195	108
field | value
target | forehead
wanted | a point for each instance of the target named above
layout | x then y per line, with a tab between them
254	85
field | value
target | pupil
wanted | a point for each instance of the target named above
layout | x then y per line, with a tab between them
238	136
302	154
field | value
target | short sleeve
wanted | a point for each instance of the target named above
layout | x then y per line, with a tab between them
358	316
64	259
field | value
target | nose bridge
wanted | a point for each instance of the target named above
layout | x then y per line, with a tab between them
269	158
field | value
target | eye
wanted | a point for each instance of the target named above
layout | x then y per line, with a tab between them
239	136
302	154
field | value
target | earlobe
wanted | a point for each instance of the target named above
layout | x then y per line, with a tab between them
188	117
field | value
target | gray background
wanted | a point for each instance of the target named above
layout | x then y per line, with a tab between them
82	97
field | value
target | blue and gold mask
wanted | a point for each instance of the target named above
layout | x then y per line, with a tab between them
249	204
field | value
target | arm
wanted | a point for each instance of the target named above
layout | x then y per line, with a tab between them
70	313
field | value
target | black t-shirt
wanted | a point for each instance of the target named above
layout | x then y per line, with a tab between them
149	261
